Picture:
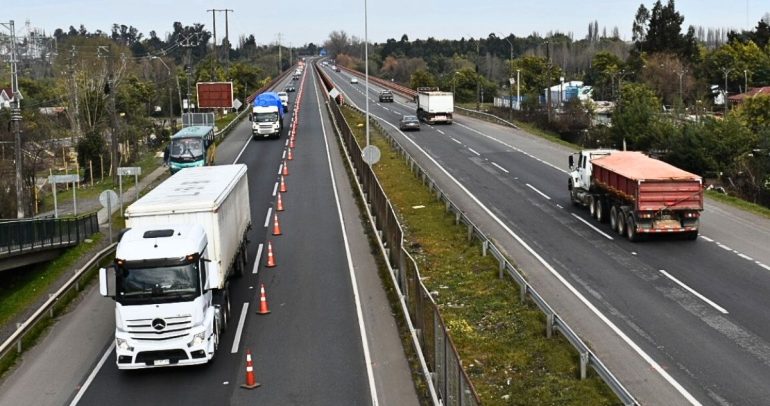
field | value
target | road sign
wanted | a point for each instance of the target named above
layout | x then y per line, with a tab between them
64	178
371	154
108	198
237	104
129	171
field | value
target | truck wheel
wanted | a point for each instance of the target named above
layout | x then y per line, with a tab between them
691	235
621	223
614	218
601	210
223	300
631	229
592	206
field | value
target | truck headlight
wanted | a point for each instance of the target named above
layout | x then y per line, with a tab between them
197	339
123	344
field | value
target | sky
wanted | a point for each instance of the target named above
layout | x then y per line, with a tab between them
303	21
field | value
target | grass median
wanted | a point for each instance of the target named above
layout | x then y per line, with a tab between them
501	341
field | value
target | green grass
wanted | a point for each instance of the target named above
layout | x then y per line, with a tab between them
739	203
501	341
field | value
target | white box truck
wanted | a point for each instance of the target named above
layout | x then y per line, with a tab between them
433	106
170	279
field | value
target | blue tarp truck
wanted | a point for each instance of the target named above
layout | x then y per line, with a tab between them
267	116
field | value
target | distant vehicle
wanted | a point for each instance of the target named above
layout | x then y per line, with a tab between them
284	100
409	123
295	77
354	80
290	88
190	147
637	194
434	106
336	68
386	96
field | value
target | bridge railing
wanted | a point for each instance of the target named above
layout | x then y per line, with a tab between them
23	236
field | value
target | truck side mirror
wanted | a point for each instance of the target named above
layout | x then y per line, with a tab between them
251	116
107	281
571	161
213	275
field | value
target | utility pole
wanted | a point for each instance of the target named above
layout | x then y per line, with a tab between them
188	43
478	77
109	89
227	38
548	78
214	48
74	99
726	71
280	63
16	121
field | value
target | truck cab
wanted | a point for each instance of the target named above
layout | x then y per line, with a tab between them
191	147
580	170
162	283
267	115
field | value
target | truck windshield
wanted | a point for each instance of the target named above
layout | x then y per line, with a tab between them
186	149
266	117
160	284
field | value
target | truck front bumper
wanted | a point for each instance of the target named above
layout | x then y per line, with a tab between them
134	354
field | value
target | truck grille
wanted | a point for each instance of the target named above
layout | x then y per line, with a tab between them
175	327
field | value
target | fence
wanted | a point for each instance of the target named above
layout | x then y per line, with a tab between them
437	351
19	237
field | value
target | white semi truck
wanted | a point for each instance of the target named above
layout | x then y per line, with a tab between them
184	242
433	106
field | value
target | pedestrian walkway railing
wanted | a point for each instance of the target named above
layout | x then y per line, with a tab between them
19	237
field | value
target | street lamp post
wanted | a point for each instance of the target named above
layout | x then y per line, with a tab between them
681	73
518	89
745	81
726	71
170	101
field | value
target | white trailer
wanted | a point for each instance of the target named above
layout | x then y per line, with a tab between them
170	280
434	106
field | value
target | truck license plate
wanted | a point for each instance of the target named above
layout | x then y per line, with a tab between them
161	362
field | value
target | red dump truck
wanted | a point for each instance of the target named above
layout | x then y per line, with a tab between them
637	194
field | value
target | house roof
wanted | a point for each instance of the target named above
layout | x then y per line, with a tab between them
757	91
6	93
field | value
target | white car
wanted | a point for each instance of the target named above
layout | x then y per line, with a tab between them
354	80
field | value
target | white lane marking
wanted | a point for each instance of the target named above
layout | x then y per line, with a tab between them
513	148
248	141
691	290
287	142
267	218
275	188
746	257
280	167
257	259
559	206
724	247
474	151
538	191
239	330
92	375
500	167
441	132
653	364
354	283
763	265
706	238
384	108
457	141
607	236
284	155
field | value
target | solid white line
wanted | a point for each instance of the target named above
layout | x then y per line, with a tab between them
267	218
538	191
663	373
746	257
92	375
500	167
706	238
257	259
763	265
354	283
275	188
248	140
474	151
457	141
691	290
441	132
609	237
239	330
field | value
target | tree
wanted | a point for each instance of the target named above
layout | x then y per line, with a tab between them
635	120
663	32
422	78
755	113
603	66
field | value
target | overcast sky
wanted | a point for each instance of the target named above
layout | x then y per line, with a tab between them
304	21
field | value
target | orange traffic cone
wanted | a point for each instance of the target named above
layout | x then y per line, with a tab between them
270	256
283	186
251	380
291	141
290	156
285	168
263	309
279	204
276	226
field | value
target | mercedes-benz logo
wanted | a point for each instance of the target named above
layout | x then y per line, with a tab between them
159	324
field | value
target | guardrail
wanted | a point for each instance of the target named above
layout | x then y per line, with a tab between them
486	116
416	295
19	237
46	310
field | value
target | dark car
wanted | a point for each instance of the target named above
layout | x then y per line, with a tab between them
409	123
386	96
290	88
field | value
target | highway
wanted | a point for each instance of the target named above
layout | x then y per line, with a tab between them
679	322
330	337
